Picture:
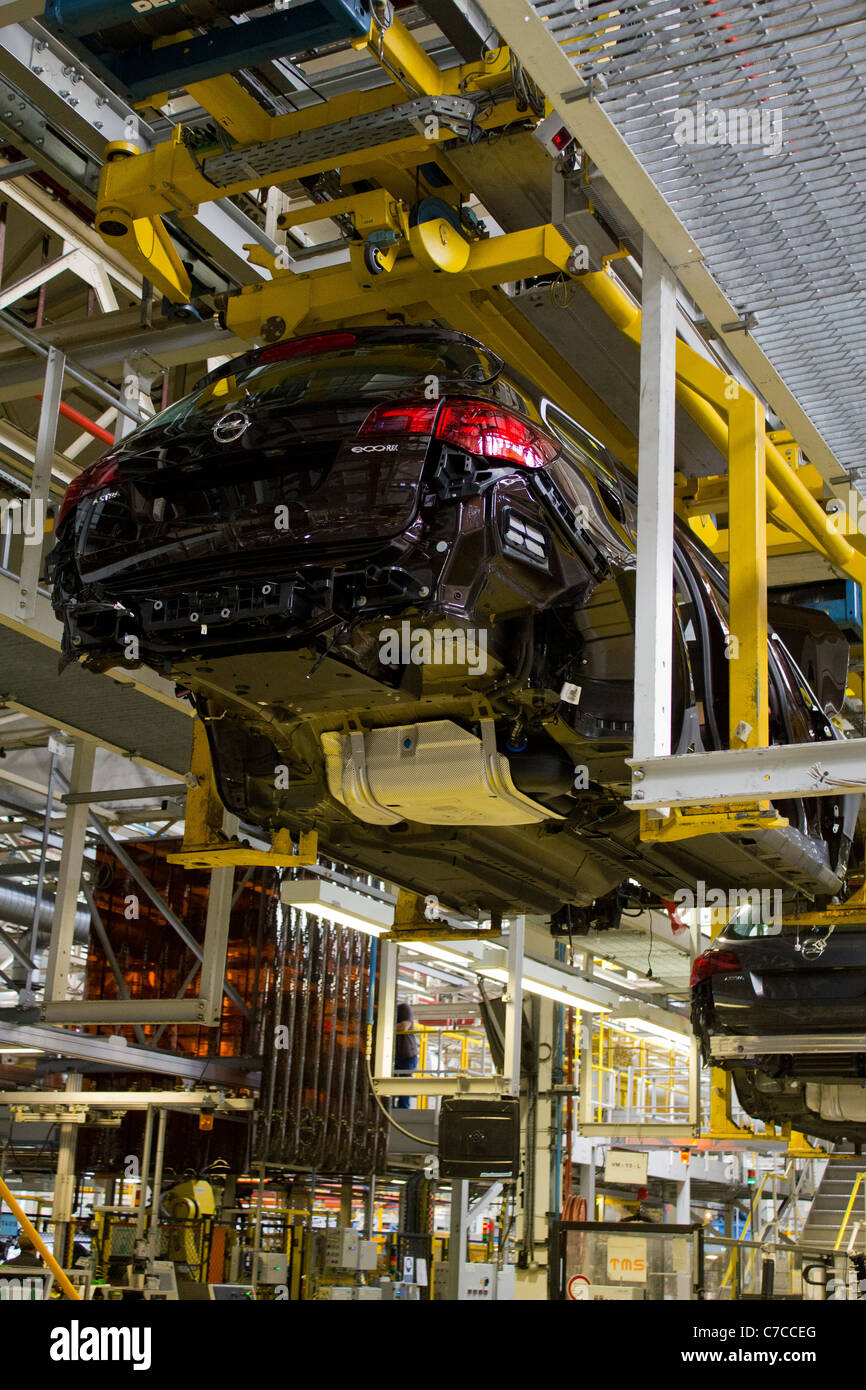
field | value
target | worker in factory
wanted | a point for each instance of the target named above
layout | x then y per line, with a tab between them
28	1255
405	1049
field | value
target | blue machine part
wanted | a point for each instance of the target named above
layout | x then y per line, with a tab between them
846	610
141	71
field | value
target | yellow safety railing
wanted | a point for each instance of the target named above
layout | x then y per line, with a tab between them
635	1066
732	1263
474	1053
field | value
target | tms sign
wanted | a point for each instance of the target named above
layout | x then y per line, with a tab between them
626	1260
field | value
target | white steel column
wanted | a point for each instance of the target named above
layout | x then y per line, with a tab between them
40	484
156	1193
386	1010
457	1236
514	1005
144	1173
655	510
69	876
216	937
64	1182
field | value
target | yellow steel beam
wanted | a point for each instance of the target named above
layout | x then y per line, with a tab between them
377	208
167	178
716	429
239	114
412	924
852	910
799	1146
333	294
722	1125
402	56
204	844
848	1210
749	710
144	241
685	822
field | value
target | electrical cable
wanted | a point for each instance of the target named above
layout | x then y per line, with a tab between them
296	72
561	290
823	778
432	1143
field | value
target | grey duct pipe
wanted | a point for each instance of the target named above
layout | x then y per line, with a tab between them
17	906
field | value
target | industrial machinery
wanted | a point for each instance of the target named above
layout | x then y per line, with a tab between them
189	1208
142	49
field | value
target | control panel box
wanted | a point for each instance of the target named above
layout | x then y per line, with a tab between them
478	1283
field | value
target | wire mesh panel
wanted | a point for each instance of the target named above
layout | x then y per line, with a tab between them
751	121
629	1262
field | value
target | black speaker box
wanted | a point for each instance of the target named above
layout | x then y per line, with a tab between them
479	1139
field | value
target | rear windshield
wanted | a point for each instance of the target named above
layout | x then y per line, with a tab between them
365	372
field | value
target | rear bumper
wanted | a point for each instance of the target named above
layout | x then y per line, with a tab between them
170	619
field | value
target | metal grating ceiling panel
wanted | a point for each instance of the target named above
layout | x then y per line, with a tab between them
751	120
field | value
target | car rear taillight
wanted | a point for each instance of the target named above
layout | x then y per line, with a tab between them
477	426
713	963
494	433
400	417
91	480
308	347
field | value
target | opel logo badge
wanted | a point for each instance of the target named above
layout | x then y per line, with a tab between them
816	944
814	948
230	427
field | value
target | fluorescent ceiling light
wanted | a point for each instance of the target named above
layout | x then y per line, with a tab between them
335	903
635	1024
618	980
421	948
559	996
21	1051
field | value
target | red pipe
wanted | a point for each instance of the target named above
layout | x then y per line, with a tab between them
84	423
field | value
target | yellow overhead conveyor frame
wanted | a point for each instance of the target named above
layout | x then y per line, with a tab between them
139	188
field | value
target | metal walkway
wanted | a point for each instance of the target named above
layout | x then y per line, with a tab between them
132	713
